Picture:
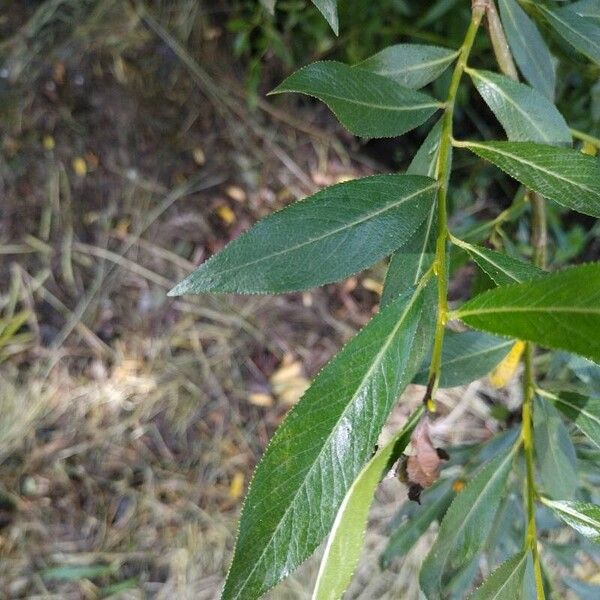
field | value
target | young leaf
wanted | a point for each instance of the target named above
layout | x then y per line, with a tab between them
328	8
466	525
528	47
581	410
560	310
525	114
555	454
467	356
434	503
561	174
347	536
369	105
505	583
502	268
413	258
411	65
323	444
581	32
328	236
581	516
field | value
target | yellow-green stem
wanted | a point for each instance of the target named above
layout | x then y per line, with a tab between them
442	176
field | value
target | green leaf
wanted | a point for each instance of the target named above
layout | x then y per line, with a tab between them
323	443
525	114
555	454
505	583
528	47
77	572
328	236
467	356
581	32
328	8
561	174
581	410
466	525
502	268
434	503
347	537
561	310
369	105
412	259
589	9
581	516
411	65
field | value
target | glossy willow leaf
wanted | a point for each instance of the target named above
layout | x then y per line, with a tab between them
581	516
467	356
465	526
434	503
502	268
411	65
328	8
525	114
528	47
581	410
368	104
555	454
561	174
347	537
323	444
560	310
581	32
505	583
328	236
412	259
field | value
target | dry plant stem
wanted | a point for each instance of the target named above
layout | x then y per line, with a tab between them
539	235
442	209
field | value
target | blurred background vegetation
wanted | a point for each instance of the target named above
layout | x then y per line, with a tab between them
136	140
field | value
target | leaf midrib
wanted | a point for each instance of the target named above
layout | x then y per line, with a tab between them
501	92
535	166
417	66
475	250
359	387
328	234
572	512
518	309
585	39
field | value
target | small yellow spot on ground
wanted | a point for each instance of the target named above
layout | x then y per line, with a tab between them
236	487
48	142
79	166
226	214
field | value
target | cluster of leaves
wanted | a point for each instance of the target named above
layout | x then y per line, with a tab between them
319	474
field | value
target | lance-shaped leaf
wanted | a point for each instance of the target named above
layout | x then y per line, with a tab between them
525	114
347	536
465	526
368	104
467	356
325	237
560	310
328	8
323	443
583	411
433	505
505	583
412	259
583	517
561	174
502	268
581	32
411	65
528	47
555	453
